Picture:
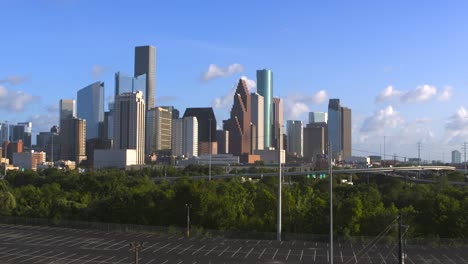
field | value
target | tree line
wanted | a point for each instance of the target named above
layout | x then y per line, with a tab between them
132	197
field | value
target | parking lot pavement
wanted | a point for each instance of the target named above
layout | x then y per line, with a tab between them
40	244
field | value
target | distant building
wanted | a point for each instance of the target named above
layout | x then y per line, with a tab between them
318	117
238	124
190	136
158	130
339	129
277	125
67	109
129	84
49	142
217	160
115	158
145	63
9	148
222	137
72	139
177	137
206	123
129	124
315	141
90	107
23	131
29	160
257	118
270	156
3	132
456	157
295	137
265	89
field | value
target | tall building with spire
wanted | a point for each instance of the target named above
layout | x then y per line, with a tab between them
239	123
265	89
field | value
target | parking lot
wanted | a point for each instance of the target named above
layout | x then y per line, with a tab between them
39	244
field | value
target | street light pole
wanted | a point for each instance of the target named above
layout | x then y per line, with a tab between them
331	200
280	182
136	247
188	205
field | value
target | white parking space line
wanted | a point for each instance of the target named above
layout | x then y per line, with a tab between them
37	256
246	255
165	261
302	254
180	262
117	261
174	248
287	256
1	253
223	251
50	257
206	254
315	254
150	261
383	259
73	260
91	259
236	252
162	247
17	253
185	249
196	251
146	248
104	243
107	259
26	255
66	257
274	255
448	258
261	254
119	248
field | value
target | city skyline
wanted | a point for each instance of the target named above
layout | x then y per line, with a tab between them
402	91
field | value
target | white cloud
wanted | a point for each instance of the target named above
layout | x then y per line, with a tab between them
53	108
251	84
43	123
224	102
215	71
446	94
383	119
420	94
456	129
388	93
14	100
295	105
97	71
14	79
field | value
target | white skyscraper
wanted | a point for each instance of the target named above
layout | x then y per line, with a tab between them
257	119
318	117
190	142
295	137
129	123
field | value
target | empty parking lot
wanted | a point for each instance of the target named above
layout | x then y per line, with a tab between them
40	244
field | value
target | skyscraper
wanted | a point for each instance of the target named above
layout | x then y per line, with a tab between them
239	123
177	137
67	109
145	63
73	139
295	137
339	129
158	130
23	131
222	137
257	118
318	117
129	123
190	134
91	108
277	123
265	89
315	141
3	133
129	84
206	126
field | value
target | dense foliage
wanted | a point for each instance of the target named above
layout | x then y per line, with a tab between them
438	210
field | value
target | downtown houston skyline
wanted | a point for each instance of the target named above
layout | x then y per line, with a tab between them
400	66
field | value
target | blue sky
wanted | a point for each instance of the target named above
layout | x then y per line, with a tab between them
317	50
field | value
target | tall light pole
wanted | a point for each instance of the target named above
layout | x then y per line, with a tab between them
384	150
278	228
330	168
209	133
188	205
136	247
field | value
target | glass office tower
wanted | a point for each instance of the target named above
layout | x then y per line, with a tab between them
129	84
265	89
90	106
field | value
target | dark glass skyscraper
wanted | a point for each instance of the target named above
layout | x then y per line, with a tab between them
265	89
145	63
339	129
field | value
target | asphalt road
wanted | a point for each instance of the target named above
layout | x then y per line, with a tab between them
35	244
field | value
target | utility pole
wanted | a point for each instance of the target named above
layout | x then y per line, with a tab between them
188	205
209	133
331	200
400	240
384	150
136	247
280	182
419	159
